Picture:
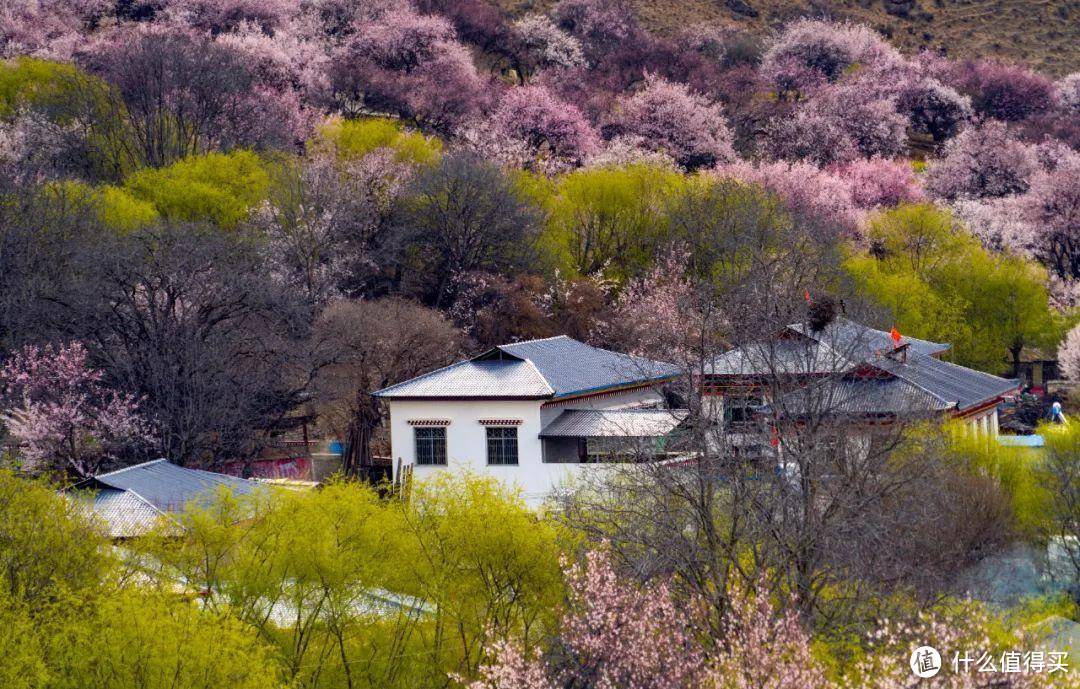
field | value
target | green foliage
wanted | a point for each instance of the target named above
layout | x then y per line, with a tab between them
610	219
487	563
349	589
47	550
28	83
123	211
940	284
152	640
1017	470
353	139
217	187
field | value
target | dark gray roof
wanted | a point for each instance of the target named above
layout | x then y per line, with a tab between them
792	357
552	367
964	387
863	396
615	423
844	346
166	486
847	335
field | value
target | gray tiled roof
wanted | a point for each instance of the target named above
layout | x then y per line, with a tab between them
507	378
845	345
863	396
965	387
166	486
790	357
617	423
121	513
551	367
848	335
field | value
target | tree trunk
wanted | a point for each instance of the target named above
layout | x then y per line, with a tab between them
357	460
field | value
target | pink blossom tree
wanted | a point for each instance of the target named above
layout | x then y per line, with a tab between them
932	108
614	634
50	29
880	182
671	118
540	43
1051	208
1068	93
411	65
808	53
62	413
1069	354
601	24
1003	91
219	16
837	124
815	196
532	126
982	162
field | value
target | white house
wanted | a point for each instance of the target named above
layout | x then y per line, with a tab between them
531	413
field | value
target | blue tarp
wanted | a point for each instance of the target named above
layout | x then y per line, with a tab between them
1021	440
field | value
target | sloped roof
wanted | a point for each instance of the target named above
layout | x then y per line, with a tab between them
613	423
792	357
844	345
863	396
507	378
847	335
537	369
166	486
123	514
964	387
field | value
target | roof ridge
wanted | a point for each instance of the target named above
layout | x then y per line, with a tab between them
129	468
540	339
899	373
142	499
547	382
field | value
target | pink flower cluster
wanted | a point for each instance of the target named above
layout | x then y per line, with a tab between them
63	414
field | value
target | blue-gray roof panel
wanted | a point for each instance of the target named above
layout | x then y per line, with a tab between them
552	367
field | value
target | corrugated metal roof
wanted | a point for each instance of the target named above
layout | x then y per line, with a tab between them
845	345
121	513
846	334
573	367
964	386
863	396
613	423
507	378
552	367
166	486
790	357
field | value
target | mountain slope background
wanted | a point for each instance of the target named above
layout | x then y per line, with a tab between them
1042	33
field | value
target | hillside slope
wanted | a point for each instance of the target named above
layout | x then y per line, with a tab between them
1043	33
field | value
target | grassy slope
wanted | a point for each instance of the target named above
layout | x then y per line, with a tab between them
1043	33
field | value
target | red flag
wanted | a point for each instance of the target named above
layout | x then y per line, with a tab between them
895	335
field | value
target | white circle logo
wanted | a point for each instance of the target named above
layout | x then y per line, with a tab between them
925	661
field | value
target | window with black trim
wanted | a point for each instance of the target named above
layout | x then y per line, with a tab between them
502	445
430	445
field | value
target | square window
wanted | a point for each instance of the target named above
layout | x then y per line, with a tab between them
430	445
502	445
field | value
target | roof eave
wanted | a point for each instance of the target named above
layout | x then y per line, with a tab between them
616	386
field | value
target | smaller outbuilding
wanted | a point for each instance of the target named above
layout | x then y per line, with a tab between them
129	502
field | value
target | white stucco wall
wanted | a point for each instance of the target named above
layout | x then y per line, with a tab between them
466	438
466	442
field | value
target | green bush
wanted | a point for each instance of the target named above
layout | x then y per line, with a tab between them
221	188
